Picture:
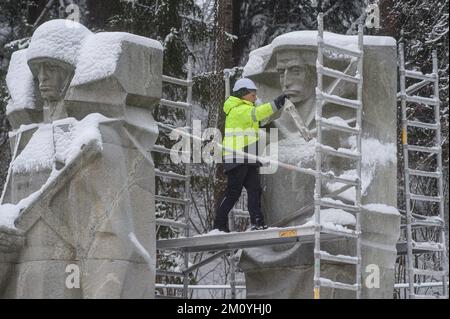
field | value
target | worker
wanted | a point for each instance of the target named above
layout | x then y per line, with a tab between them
242	134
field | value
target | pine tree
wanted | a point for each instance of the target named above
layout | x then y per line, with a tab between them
13	26
262	21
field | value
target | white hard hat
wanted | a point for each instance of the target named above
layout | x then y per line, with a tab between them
244	83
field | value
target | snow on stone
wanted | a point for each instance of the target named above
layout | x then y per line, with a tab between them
62	140
374	153
336	120
59	39
259	58
8	214
69	143
20	83
350	194
100	53
23	128
382	208
350	42
38	154
341	150
336	216
52	140
335	219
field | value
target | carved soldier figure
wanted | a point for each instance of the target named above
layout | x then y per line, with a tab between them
286	271
92	207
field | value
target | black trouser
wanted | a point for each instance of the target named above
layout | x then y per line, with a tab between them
244	175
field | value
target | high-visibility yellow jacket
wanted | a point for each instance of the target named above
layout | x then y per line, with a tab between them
242	122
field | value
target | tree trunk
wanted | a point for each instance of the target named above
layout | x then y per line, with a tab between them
224	60
35	9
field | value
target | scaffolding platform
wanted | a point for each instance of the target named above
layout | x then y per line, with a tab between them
238	240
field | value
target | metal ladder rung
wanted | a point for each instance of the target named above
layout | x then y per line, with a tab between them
341	259
423	173
347	234
425	272
414	249
354	104
352	53
177	81
169	127
424	198
160	272
161	149
427	297
427	223
324	203
336	179
324	282
427	246
429	126
338	75
414	88
172	200
420	76
325	123
179	105
421	100
330	151
171	223
338	232
423	149
164	150
171	175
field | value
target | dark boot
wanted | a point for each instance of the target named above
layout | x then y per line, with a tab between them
221	227
260	225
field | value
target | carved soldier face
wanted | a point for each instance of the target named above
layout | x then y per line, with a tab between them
297	78
53	77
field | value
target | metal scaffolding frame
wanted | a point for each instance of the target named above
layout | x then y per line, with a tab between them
226	243
186	200
420	220
320	201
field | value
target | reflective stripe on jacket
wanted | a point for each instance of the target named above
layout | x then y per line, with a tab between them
242	122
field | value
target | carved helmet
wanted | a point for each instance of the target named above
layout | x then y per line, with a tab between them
58	39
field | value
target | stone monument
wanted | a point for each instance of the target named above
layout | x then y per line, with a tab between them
288	65
77	214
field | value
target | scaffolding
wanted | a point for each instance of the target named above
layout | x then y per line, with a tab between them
186	178
422	224
227	243
327	201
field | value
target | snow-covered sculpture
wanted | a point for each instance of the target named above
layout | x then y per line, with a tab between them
77	212
24	107
288	65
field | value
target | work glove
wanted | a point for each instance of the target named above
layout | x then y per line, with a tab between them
279	101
